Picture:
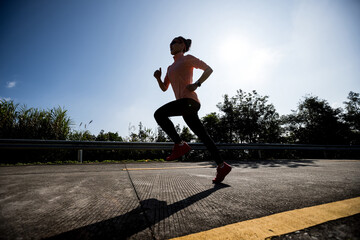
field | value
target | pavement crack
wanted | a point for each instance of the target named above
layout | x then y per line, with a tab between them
142	208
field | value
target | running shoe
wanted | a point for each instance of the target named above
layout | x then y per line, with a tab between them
178	151
221	173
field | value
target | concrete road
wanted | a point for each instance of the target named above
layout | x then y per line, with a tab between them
166	200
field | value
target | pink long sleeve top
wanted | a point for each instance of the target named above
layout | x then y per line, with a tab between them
180	74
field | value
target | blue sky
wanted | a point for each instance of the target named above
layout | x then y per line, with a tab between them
96	58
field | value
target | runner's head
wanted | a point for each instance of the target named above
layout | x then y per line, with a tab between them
180	44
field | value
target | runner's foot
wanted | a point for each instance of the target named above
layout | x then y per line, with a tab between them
178	151
221	172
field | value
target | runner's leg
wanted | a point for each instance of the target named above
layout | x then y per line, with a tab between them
193	121
174	108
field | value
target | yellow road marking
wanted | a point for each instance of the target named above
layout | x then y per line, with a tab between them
281	223
164	168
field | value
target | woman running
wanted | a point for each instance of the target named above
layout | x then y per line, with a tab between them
187	104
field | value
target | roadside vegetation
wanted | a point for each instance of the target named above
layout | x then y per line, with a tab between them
243	118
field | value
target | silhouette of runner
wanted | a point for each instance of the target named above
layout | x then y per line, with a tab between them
180	76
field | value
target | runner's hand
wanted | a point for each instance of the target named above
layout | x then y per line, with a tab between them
157	74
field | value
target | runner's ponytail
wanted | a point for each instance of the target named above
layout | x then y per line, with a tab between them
187	43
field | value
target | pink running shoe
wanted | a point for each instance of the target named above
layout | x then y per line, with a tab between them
178	151
222	172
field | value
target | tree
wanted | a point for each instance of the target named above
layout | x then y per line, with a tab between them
315	122
82	134
109	136
228	119
248	117
212	124
186	134
144	135
161	136
351	116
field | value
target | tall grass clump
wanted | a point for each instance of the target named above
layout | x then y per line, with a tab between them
20	122
31	123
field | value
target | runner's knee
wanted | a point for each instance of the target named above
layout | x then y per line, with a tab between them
158	115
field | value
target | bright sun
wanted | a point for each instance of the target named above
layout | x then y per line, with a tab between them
246	59
233	49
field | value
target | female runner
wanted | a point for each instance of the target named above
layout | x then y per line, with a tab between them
187	104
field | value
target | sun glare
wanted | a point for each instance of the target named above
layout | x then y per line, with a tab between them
233	49
246	59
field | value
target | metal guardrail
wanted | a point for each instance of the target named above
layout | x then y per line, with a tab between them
64	144
92	145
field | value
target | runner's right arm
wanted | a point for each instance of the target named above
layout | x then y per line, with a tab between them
163	85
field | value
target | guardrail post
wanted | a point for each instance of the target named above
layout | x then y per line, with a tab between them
80	155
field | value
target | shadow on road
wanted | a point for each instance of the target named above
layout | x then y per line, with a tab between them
292	163
150	212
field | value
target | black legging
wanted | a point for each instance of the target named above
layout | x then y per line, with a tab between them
188	108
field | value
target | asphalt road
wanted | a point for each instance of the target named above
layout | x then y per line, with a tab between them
168	200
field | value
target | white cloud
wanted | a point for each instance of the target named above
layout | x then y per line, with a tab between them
11	84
